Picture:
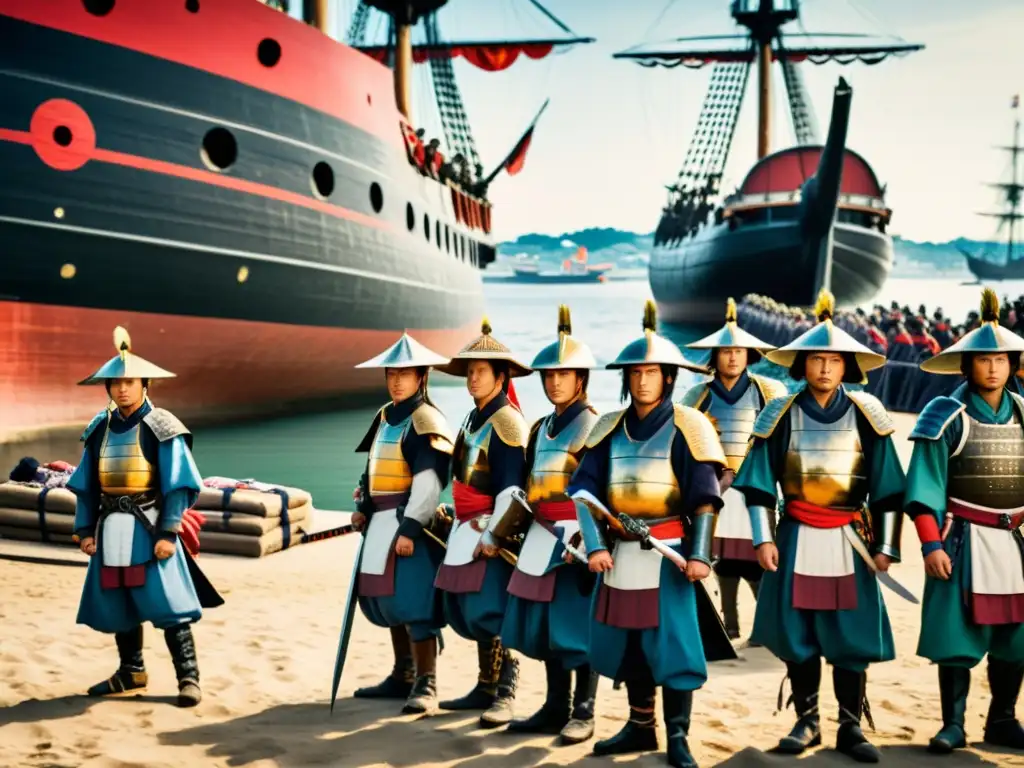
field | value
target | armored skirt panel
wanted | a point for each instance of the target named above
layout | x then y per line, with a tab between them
166	597
734	536
823	600
549	600
980	609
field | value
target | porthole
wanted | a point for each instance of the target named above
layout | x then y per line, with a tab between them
437	233
462	240
447	241
410	217
268	52
67	271
98	7
426	227
62	135
192	6
376	197
243	274
323	180
220	150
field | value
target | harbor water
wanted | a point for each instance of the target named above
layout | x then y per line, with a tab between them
317	452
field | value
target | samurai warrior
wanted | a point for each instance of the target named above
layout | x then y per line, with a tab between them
409	445
488	467
549	603
964	495
831	451
134	484
646	494
733	398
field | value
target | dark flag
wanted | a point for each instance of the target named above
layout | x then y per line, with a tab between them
516	159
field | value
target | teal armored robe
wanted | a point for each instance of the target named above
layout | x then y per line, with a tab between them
965	495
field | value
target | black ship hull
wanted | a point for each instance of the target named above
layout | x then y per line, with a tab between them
692	280
991	272
257	276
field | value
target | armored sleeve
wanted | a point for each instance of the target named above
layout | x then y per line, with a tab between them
424	496
701	489
588	485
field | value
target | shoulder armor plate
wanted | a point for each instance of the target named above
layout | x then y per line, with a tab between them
936	417
770	416
164	424
605	425
427	420
98	419
695	396
874	412
769	388
510	426
367	441
700	434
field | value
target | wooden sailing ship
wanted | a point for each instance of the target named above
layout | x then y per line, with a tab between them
804	216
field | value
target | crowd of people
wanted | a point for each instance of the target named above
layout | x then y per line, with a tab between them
898	332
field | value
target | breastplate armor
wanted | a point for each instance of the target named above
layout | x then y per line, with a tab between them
556	458
989	471
825	463
470	464
123	468
641	481
735	423
389	471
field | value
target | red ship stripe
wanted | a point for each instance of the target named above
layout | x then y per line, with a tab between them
223	38
214	179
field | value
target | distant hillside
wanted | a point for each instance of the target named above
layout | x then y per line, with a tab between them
605	244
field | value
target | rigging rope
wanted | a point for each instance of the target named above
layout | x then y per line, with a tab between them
805	126
357	29
457	132
712	139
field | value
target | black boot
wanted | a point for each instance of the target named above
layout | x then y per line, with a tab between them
581	726
677	706
397	685
1002	728
639	734
182	646
553	716
954	685
500	713
805	680
130	679
423	696
489	658
730	586
850	692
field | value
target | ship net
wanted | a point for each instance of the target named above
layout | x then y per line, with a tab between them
805	126
454	120
709	147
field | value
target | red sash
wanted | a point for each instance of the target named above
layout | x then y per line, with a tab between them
819	517
556	511
469	502
989	518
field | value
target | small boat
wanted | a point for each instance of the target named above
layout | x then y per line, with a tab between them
575	270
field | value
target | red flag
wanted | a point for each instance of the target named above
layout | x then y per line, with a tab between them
512	397
517	157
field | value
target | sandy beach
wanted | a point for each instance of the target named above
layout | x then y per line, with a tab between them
266	659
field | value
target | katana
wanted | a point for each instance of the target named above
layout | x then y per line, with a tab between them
330	533
883	578
346	622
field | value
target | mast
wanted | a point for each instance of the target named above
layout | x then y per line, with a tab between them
1014	191
764	100
314	13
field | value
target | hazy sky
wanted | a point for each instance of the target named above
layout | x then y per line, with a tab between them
616	133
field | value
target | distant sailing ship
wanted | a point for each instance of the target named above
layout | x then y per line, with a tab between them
988	266
792	226
249	197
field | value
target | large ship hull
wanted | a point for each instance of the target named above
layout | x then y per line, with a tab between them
989	271
692	281
255	286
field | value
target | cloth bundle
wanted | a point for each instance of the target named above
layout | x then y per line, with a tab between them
252	519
